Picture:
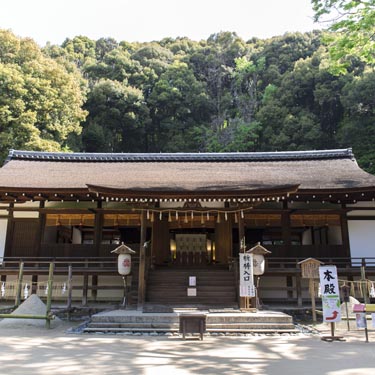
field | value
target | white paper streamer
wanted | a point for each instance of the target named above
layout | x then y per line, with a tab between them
26	291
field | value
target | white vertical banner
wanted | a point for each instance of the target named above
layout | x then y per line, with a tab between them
330	293
247	288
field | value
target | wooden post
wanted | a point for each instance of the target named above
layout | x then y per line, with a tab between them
363	280
310	270
312	295
42	225
299	291
85	289
244	302
345	234
286	235
34	284
19	285
98	230
49	295
70	290
94	286
142	263
9	235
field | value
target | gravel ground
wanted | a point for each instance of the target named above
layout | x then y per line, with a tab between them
35	350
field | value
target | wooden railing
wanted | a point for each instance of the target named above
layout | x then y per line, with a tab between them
89	268
69	250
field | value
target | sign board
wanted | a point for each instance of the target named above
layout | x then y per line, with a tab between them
345	292
247	288
310	268
360	319
330	294
359	307
192	292
192	281
370	307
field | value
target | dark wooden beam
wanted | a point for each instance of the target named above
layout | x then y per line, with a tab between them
362	217
98	230
9	234
142	263
42	225
345	235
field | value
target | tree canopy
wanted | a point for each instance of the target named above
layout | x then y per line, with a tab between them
180	95
353	24
40	100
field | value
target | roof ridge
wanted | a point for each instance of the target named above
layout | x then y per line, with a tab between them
180	157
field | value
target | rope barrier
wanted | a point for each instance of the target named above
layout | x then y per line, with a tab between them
8	289
357	287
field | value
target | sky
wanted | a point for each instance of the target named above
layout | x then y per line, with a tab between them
147	20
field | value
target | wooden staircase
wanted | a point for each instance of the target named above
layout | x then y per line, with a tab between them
215	286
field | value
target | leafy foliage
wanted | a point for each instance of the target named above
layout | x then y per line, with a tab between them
179	95
40	101
353	22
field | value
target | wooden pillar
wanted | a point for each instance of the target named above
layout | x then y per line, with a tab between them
9	235
242	241
241	234
285	227
98	230
142	263
85	289
42	225
160	241
70	290
94	287
223	240
286	236
345	234
299	291
34	284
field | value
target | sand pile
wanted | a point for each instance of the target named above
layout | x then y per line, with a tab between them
31	306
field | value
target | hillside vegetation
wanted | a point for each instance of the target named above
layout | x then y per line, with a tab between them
180	95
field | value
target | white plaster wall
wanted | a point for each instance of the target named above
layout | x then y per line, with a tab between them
26	214
361	213
3	233
362	238
362	204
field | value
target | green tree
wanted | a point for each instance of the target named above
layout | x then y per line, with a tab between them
121	113
40	101
353	24
357	127
178	103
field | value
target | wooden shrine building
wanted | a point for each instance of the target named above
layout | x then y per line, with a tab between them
186	210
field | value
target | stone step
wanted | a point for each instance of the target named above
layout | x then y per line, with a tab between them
210	322
145	318
235	322
270	329
134	329
209	326
144	325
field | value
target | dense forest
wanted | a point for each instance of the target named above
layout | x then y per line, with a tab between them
180	95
